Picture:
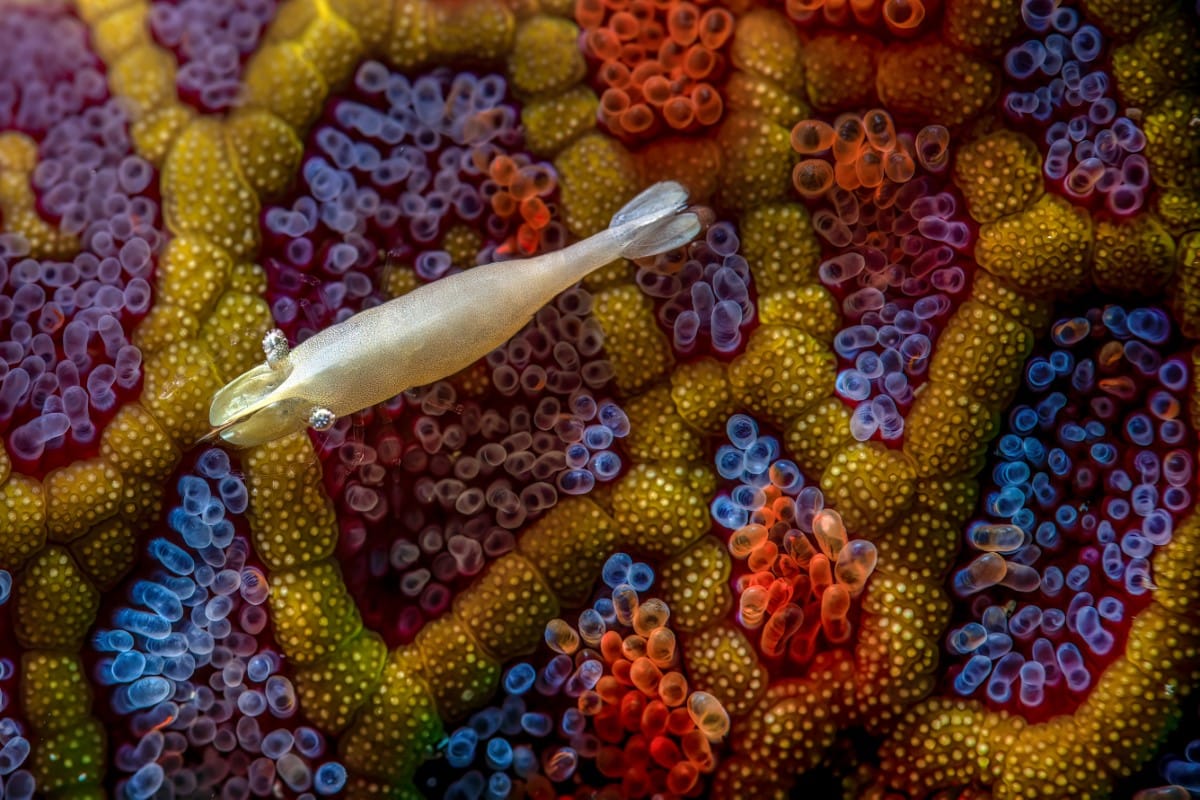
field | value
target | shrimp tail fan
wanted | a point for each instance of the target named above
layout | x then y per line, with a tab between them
657	220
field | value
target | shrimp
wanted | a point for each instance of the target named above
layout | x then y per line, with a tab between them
431	332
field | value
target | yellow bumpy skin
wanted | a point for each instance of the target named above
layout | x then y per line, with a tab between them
569	545
312	611
55	602
810	308
758	94
107	552
1135	256
507	607
292	520
480	29
79	495
722	662
219	206
1184	293
1173	142
894	667
267	150
22	519
934	81
1045	248
999	174
921	604
982	352
69	757
657	431
948	431
192	273
783	372
921	542
1122	18
700	390
332	690
399	727
554	121
818	433
663	508
779	242
952	499
766	43
546	59
695	584
758	160
915	759
981	26
280	79
459	672
797	720
1032	312
637	347
595	175
869	484
841	70
1163	58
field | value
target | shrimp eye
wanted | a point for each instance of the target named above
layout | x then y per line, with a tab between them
321	419
275	346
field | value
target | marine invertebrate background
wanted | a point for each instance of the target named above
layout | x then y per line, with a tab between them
1111	499
921	398
613	692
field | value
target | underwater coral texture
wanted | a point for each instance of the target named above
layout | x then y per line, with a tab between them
882	487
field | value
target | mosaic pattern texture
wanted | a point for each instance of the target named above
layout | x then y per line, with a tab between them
884	487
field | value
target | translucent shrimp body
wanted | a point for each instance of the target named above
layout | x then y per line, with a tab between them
431	332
